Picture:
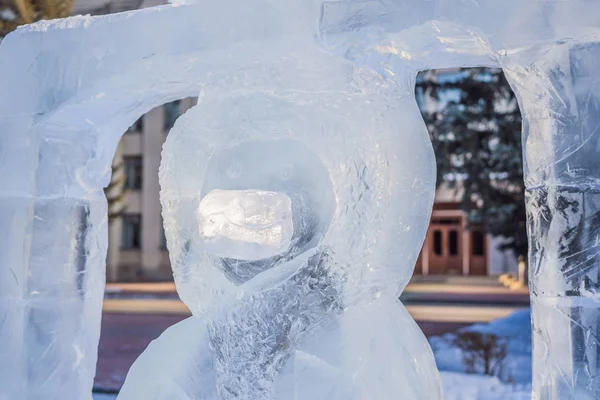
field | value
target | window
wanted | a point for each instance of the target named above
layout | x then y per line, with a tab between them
136	127
453	239
478	243
437	243
172	111
133	172
131	235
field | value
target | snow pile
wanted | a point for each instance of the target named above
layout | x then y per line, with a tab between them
478	387
515	330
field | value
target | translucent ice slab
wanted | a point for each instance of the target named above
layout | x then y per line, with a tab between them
245	224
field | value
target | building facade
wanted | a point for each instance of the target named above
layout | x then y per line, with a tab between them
137	246
452	249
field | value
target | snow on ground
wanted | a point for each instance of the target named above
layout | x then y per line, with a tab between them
479	387
515	329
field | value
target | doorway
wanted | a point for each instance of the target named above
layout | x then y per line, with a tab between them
445	247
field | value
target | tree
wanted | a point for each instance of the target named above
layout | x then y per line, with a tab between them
20	12
475	127
482	353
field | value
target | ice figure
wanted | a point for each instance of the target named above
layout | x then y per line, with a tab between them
296	194
291	226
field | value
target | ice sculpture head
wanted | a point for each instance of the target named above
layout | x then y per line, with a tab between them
255	185
300	155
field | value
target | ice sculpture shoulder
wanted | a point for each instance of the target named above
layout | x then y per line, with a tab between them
294	211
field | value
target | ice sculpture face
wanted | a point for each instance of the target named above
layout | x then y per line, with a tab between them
281	177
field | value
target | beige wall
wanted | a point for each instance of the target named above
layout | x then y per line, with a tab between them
153	138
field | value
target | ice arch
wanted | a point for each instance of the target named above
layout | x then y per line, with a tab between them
71	87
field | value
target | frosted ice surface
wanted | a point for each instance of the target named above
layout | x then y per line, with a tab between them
313	102
292	227
245	224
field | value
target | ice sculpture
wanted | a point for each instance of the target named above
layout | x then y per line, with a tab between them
291	227
320	93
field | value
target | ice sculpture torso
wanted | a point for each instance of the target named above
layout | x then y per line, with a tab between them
294	211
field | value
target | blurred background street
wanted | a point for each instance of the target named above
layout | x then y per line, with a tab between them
137	313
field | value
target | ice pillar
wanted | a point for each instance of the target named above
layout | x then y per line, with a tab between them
52	253
559	94
53	248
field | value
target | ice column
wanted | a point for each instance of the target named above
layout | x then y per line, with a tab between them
51	308
559	96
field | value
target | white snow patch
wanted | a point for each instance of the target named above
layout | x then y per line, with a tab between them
478	387
515	329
